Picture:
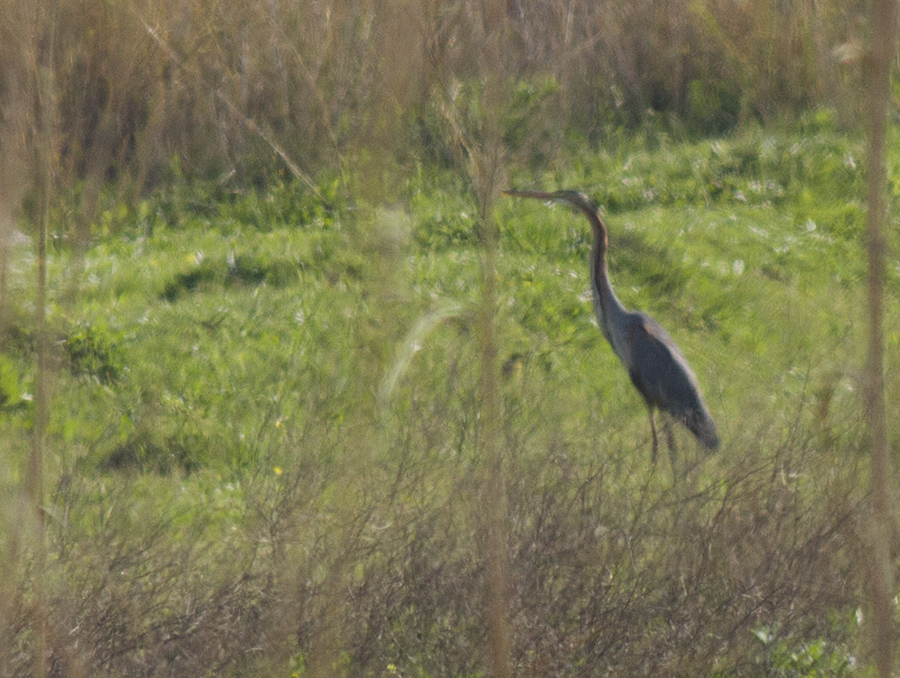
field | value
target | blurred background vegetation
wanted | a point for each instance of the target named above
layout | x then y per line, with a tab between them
266	231
144	92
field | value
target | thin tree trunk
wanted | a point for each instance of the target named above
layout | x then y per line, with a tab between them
488	175
43	65
881	573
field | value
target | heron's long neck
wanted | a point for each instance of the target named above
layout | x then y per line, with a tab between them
608	308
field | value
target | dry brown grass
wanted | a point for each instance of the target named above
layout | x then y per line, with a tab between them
218	83
610	573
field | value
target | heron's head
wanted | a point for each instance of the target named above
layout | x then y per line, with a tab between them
576	199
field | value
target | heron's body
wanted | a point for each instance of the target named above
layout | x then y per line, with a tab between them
654	362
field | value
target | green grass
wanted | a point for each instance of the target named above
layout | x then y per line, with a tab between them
264	402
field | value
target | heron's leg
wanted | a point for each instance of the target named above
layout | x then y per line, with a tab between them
655	439
670	441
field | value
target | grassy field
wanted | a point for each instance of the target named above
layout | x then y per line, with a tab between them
264	443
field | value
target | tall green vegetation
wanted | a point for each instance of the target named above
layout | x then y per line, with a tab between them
268	446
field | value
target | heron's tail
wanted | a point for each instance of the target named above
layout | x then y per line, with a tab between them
702	426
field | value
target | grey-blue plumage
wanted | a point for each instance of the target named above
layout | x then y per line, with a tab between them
661	374
656	365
